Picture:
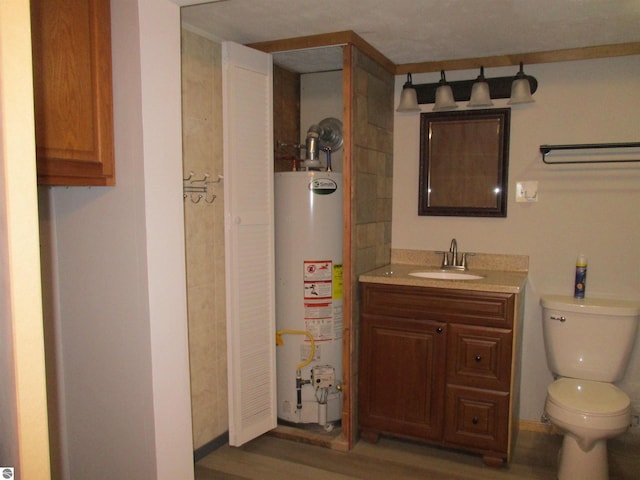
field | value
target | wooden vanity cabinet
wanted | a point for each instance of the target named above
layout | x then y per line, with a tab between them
71	43
437	365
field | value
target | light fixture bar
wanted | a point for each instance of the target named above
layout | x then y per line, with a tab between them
500	88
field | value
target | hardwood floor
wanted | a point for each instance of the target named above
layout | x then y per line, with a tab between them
271	458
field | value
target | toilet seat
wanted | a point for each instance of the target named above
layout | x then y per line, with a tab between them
585	404
589	397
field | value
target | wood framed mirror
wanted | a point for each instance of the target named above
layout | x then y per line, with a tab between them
464	160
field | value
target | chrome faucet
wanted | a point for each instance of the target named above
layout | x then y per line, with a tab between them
450	259
453	249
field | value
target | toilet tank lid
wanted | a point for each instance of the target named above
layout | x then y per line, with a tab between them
598	306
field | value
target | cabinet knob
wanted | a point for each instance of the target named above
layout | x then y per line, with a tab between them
439	330
474	420
478	358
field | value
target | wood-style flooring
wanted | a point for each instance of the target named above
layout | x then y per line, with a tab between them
272	458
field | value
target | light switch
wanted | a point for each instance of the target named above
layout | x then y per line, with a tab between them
527	191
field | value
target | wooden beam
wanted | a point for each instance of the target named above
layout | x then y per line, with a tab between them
347	37
349	283
369	50
566	55
301	43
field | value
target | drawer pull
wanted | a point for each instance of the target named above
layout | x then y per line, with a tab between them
439	330
474	420
478	358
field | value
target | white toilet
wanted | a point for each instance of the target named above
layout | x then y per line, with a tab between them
588	344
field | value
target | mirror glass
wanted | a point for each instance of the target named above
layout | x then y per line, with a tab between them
464	159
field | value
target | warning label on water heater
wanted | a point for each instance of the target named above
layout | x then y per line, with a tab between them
319	314
318	279
317	270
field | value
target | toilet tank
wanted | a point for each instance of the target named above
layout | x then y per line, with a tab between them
588	338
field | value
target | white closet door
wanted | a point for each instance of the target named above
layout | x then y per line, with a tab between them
247	88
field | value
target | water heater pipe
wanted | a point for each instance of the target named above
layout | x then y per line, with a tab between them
279	341
299	381
327	150
312	142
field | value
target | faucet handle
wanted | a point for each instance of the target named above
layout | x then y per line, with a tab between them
445	258
463	261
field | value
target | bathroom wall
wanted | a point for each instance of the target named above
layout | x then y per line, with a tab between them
593	209
204	236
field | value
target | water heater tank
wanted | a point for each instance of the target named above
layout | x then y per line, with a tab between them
308	234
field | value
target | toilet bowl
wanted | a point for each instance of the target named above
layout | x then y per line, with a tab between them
588	413
584	403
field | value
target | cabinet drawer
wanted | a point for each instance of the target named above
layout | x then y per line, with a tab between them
438	304
479	357
477	418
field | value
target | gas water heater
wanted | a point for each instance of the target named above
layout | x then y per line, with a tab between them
308	234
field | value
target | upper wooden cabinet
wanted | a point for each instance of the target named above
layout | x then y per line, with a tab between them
73	91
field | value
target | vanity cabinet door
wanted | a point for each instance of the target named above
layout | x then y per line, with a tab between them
401	377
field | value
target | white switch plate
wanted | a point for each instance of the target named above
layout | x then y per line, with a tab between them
527	191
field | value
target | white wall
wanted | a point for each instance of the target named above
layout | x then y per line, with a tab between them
165	252
593	209
120	275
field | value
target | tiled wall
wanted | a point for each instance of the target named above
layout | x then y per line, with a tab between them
372	163
204	231
372	184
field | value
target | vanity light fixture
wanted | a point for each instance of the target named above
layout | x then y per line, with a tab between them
520	89
408	98
479	92
444	95
480	96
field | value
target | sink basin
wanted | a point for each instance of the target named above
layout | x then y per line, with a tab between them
446	275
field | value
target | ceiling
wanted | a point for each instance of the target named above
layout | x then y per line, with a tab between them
409	31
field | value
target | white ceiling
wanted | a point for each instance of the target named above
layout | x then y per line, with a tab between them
408	31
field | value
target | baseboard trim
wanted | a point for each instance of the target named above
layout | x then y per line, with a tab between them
207	448
539	427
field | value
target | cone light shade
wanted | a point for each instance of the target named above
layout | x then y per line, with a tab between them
520	89
480	95
408	98
408	101
444	96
